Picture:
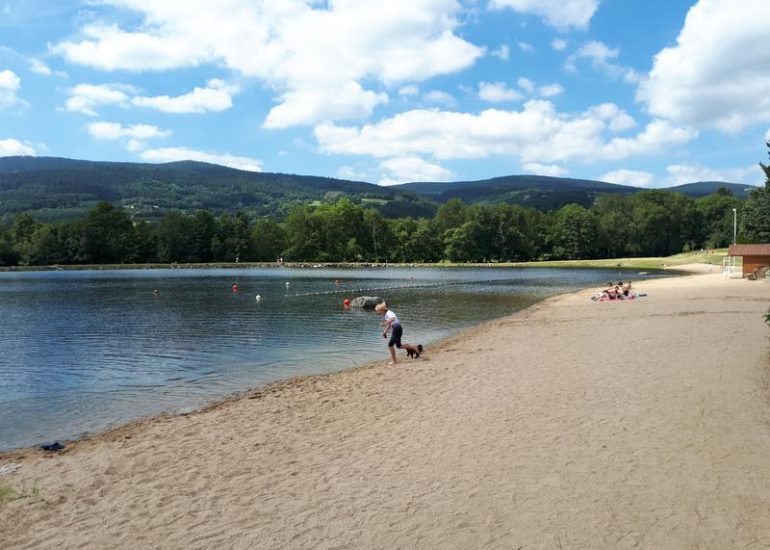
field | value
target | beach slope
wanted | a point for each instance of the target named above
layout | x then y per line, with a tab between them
573	424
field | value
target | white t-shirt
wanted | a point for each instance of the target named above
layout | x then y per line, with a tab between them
390	314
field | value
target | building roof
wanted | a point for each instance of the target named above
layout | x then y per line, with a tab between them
749	250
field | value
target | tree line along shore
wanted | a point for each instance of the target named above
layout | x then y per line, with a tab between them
651	223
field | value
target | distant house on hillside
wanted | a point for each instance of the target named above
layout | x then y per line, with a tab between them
756	258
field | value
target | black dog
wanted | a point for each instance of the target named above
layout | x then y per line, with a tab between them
414	355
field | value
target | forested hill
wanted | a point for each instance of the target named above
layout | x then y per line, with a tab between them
548	193
53	189
58	188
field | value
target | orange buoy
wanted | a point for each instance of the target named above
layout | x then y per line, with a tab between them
235	288
346	302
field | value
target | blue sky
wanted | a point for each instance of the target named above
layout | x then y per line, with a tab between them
652	94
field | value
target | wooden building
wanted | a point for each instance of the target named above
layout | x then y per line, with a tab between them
756	257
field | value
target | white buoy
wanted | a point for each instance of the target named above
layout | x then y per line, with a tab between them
258	297
287	283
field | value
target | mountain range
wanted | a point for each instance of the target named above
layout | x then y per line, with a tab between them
52	189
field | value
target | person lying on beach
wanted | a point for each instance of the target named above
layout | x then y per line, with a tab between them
392	323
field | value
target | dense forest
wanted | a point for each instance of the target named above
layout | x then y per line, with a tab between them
647	223
650	223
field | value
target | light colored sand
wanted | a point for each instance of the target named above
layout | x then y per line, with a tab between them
573	424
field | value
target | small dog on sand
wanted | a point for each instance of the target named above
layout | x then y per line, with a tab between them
414	355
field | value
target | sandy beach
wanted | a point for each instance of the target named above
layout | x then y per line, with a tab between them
572	424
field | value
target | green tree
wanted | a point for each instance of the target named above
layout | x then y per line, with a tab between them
268	240
107	234
232	239
756	213
574	235
175	238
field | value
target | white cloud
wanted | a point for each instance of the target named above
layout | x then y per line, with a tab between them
406	169
439	97
717	73
84	98
409	90
559	44
9	81
496	92
679	174
503	52
525	46
133	137
37	66
526	84
629	177
351	173
305	50
537	133
9	85
561	14
216	96
545	169
174	154
13	147
550	90
767	135
602	58
114	130
350	101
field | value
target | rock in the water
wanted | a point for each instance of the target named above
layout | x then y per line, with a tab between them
366	302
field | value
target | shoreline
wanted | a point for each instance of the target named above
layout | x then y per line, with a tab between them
122	425
256	392
513	432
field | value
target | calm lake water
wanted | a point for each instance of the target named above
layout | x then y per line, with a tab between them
84	350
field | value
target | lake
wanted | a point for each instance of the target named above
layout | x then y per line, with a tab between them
81	351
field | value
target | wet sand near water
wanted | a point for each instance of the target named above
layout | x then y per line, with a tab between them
572	424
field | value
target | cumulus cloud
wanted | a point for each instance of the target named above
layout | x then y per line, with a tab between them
216	96
561	14
679	174
12	147
559	44
114	130
629	177
550	90
306	51
439	97
525	46
602	58
9	85
409	90
37	66
299	107
406	169
133	137
503	52
545	169
85	98
537	133
526	84
497	92
717	73
174	154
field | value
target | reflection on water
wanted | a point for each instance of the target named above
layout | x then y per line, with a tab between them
82	350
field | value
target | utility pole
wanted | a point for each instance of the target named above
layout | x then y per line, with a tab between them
735	225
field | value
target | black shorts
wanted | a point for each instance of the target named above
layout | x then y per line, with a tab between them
395	336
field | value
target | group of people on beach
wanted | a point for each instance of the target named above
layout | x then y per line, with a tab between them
620	291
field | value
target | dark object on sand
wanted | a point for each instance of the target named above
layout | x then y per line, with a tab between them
51	447
366	302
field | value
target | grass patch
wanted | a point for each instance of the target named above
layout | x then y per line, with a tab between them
9	494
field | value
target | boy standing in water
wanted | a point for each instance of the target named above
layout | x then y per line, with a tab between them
392	323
